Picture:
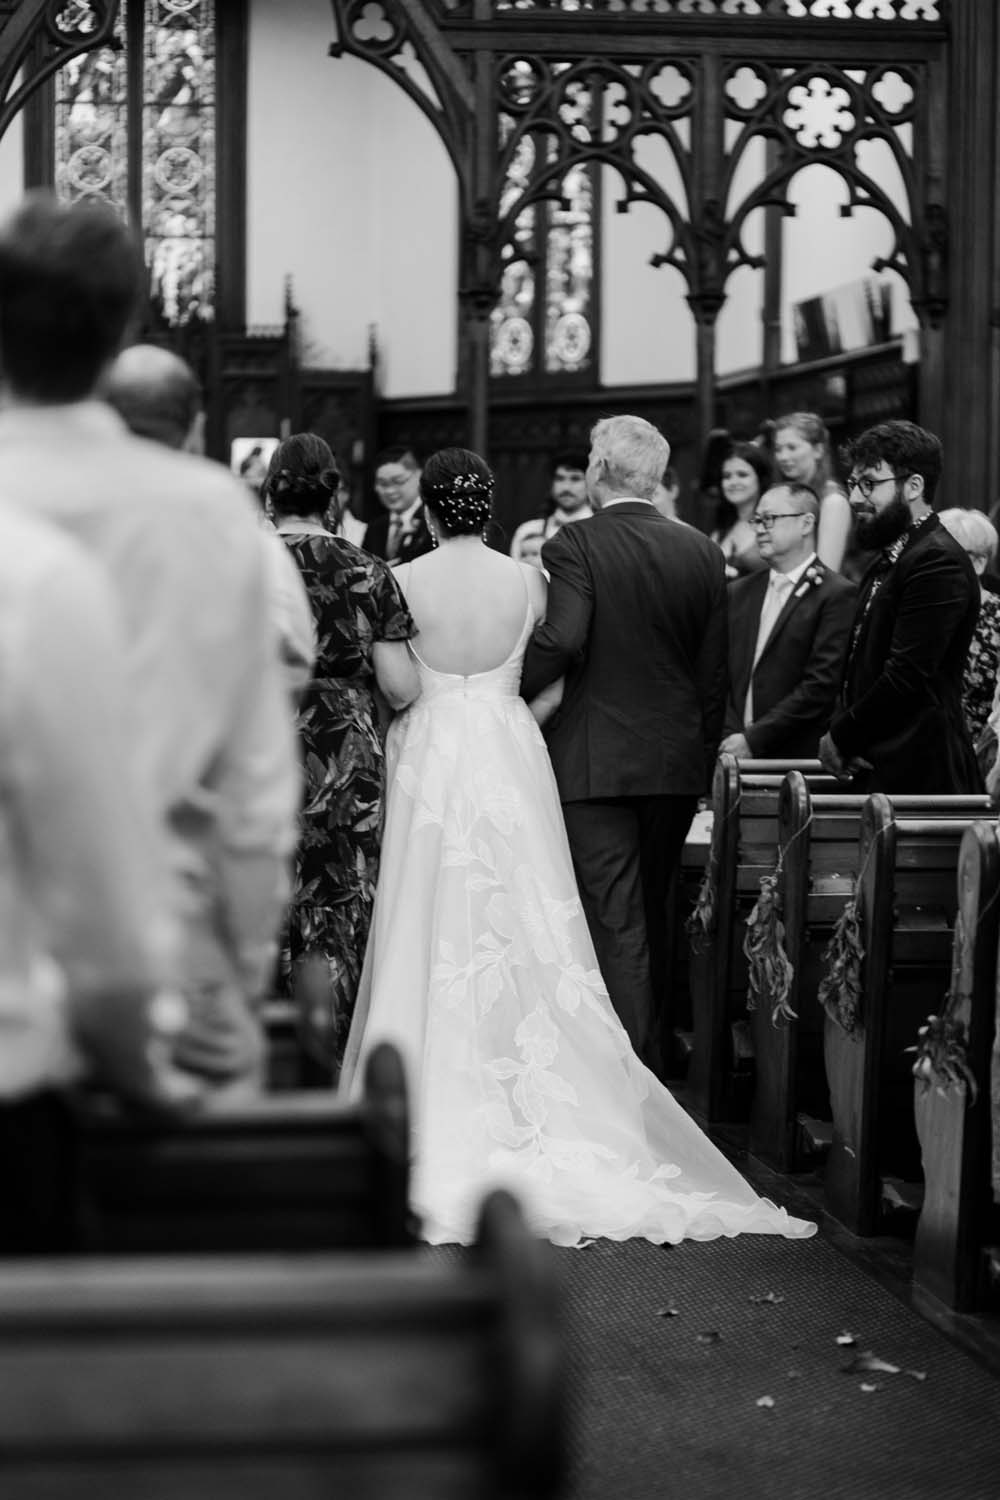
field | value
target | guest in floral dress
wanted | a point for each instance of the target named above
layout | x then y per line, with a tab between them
362	626
977	534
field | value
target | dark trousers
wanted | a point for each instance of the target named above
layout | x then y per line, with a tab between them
625	850
39	1204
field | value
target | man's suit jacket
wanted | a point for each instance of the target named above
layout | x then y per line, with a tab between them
636	621
798	676
413	543
901	706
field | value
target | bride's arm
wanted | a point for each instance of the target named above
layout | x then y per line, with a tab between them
544	705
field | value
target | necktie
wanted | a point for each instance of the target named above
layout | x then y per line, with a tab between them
394	538
778	588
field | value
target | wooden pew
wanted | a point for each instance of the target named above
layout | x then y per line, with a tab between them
744	847
245	1378
907	900
293	1171
817	871
960	1216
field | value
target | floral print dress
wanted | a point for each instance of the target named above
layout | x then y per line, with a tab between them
356	602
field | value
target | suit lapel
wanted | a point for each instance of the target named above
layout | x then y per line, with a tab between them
747	636
791	604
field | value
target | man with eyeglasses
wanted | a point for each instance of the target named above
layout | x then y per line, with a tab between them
401	533
899	725
788	630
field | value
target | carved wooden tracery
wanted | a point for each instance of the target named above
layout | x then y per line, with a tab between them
707	78
66	28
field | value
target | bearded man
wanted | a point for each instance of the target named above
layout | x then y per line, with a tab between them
899	725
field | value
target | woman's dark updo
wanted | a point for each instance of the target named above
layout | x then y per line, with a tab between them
302	477
457	486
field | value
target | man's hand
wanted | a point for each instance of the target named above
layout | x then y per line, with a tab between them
831	760
736	744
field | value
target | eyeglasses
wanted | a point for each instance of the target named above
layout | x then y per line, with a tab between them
766	521
393	484
867	485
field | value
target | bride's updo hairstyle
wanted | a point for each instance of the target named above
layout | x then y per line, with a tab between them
457	486
302	478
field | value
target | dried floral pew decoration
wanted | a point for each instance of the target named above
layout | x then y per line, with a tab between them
840	988
771	971
700	923
942	1059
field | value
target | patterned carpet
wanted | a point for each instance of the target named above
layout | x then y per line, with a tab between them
744	1392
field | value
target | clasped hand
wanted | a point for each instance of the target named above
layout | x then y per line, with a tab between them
831	760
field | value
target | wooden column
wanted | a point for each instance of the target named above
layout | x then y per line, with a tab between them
971	342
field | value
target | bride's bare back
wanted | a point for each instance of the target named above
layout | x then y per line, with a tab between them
468	603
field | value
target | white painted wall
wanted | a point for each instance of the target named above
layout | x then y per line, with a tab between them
349	192
12	163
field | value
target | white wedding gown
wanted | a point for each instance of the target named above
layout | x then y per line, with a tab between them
481	969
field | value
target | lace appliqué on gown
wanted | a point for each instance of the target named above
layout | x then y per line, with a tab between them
481	969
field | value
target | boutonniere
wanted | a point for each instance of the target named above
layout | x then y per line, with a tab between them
811	579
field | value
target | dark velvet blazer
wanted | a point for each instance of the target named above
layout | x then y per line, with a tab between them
412	543
901	706
636	621
798	676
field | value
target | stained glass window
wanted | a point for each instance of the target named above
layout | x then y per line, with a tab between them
91	125
178	155
152	157
542	324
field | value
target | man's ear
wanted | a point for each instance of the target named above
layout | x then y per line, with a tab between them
913	486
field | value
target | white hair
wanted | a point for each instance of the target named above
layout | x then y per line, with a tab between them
633	452
973	531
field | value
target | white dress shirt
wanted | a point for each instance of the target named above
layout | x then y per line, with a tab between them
83	882
210	724
779	589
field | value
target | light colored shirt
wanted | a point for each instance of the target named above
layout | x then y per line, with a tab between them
210	724
83	884
542	527
779	590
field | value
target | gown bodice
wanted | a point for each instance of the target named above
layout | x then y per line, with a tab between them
499	684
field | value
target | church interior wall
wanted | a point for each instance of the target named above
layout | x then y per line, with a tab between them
12	161
351	194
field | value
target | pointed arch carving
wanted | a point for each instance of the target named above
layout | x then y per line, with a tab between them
65	29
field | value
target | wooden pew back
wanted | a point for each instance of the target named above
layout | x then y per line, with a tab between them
293	1171
386	1376
744	848
958	1217
818	868
907	898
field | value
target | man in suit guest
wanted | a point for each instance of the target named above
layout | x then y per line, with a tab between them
568	501
636	622
899	725
400	534
788	631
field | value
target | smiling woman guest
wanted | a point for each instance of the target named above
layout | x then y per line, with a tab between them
802	454
746	473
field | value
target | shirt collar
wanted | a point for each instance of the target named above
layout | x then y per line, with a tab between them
628	500
91	418
406	518
560	516
796	573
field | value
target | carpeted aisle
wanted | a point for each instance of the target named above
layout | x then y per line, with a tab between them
666	1406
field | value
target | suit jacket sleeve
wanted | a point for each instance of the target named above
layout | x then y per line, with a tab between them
815	694
563	633
711	670
932	603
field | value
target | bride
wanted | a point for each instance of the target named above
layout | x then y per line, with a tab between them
480	966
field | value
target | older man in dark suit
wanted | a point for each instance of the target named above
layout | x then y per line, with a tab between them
899	725
636	622
788	631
